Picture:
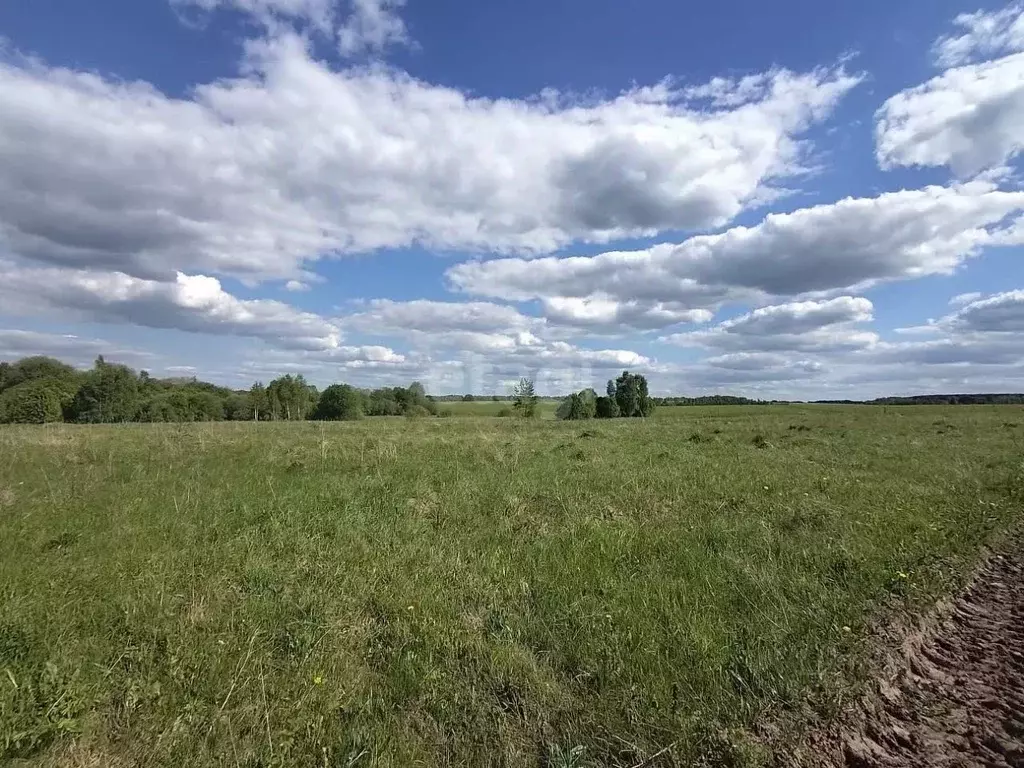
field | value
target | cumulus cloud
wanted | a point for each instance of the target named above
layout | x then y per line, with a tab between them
800	317
826	327
984	34
259	175
599	314
1001	313
845	245
195	303
969	116
422	315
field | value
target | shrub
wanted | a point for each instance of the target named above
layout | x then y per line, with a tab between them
580	405
36	401
339	402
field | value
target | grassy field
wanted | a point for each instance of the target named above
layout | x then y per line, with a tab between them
545	408
471	591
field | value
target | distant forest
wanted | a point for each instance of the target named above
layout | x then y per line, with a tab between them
37	390
969	399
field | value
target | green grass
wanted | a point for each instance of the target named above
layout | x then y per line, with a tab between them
545	408
471	591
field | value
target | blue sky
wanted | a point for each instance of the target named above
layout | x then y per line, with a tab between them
799	199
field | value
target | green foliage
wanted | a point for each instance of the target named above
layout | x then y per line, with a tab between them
259	403
33	368
109	394
36	401
399	401
525	398
182	403
290	398
606	408
473	592
631	396
237	407
579	405
339	402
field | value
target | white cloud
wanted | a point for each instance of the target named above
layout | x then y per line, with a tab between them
969	116
824	327
985	34
1001	313
800	317
598	314
194	303
845	245
319	14
360	26
373	25
296	286
964	298
422	315
258	176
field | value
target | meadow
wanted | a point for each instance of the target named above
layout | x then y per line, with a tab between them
474	590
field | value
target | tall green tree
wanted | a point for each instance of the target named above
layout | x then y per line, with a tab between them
631	396
525	398
109	394
291	397
259	403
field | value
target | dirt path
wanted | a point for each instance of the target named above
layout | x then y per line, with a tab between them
955	695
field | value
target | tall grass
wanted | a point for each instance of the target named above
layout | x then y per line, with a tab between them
471	591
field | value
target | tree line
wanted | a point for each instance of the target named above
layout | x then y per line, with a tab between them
40	390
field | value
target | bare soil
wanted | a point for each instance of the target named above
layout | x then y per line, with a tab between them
953	694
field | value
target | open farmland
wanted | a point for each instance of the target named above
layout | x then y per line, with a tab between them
473	590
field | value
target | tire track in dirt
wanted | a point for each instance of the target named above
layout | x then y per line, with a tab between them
955	696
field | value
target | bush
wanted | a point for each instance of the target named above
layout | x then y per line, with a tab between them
606	408
505	413
36	401
580	405
339	402
417	412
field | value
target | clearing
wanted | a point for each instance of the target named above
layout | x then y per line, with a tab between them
680	590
